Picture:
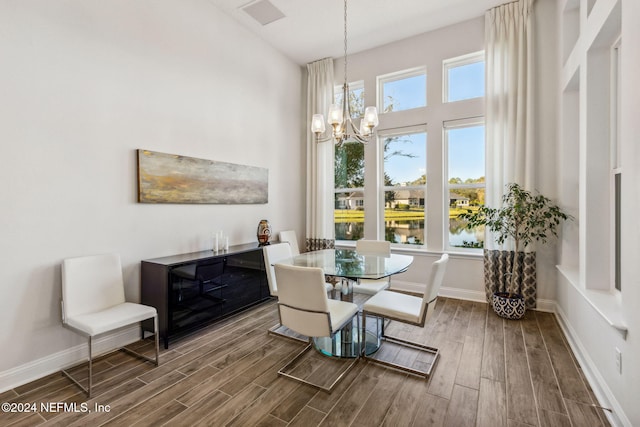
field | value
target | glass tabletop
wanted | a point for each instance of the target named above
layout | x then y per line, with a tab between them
350	264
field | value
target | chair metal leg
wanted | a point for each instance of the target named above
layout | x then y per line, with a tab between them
142	356
89	387
90	366
410	344
157	339
293	361
274	331
86	390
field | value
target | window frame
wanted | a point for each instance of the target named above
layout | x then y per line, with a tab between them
459	61
396	76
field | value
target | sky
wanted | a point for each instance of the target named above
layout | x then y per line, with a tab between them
466	155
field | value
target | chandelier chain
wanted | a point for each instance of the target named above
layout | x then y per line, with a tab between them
343	127
345	41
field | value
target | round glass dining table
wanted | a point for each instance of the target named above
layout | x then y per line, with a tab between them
352	266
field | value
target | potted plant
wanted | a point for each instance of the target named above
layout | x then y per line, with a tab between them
524	218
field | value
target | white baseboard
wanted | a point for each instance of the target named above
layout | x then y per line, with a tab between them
596	381
463	294
39	368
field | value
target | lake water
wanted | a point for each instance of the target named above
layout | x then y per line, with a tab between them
411	232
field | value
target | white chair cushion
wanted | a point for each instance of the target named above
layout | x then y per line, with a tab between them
111	318
315	324
371	286
395	305
341	313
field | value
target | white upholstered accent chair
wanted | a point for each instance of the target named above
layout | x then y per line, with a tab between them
289	236
304	307
372	247
407	309
93	303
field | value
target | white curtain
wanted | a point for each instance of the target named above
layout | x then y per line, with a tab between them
509	100
509	128
320	232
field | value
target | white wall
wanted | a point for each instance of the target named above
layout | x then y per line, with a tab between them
83	84
588	306
629	383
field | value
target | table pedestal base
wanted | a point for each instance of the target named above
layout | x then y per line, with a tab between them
345	343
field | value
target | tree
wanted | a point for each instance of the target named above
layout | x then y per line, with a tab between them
349	158
349	166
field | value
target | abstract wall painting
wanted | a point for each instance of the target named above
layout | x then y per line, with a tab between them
171	178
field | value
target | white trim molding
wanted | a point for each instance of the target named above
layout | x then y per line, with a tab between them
40	368
601	390
463	294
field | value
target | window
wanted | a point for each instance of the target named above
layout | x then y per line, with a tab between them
616	166
349	192
404	177
403	90
464	141
406	196
463	77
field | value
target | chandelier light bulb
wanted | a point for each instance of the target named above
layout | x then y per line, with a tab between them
335	115
317	124
364	129
371	116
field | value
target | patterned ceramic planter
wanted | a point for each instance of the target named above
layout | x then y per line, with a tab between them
509	306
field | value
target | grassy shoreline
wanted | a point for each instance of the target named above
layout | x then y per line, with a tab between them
354	215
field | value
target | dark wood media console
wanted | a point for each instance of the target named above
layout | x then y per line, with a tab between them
193	290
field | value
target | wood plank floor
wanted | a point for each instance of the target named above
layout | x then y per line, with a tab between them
491	372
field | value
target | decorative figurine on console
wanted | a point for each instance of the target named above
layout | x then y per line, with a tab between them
264	232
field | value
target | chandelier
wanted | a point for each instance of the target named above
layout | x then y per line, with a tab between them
339	116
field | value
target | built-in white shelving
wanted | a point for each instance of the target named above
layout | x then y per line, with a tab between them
589	31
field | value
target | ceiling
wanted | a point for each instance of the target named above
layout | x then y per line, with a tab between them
313	29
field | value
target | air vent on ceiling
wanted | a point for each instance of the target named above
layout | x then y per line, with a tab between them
263	11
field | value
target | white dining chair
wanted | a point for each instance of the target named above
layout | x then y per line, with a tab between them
273	254
303	306
372	247
406	309
93	304
289	236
